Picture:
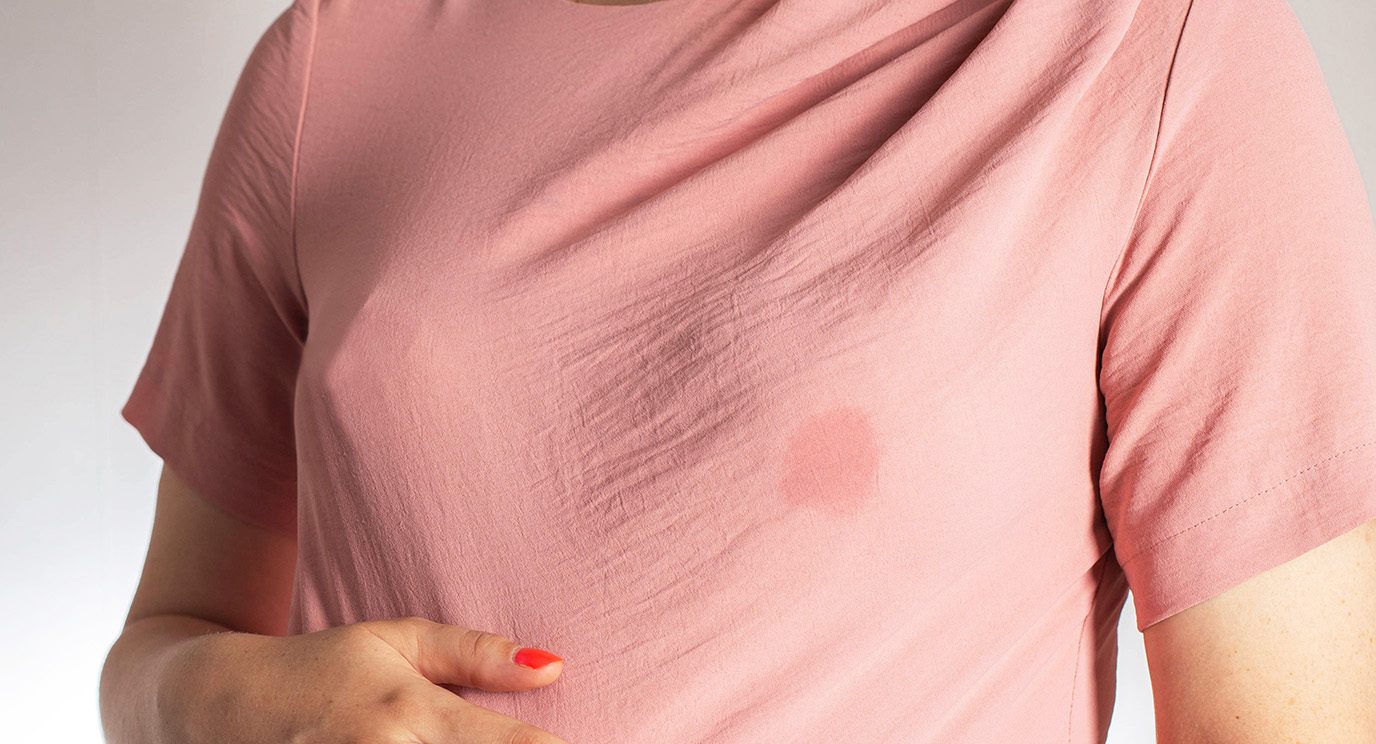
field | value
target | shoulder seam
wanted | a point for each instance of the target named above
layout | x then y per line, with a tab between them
313	12
1151	165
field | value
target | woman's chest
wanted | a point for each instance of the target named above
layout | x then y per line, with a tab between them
662	332
660	398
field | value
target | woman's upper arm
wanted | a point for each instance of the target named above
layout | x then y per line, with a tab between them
1288	655
206	563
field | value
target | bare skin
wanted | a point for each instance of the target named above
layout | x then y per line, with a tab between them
203	656
1286	656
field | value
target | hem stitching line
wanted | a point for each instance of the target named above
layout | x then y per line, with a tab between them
1174	535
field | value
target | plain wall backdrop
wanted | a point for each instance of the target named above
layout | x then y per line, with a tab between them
107	114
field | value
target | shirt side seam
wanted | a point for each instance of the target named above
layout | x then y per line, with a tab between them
1079	643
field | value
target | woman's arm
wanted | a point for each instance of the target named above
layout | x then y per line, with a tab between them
205	572
204	656
1288	655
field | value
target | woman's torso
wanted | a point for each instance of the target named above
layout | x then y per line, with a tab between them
742	353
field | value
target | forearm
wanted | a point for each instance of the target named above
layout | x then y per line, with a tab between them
149	660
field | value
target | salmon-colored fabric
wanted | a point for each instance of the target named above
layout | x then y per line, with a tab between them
799	371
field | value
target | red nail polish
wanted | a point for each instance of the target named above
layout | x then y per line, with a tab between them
535	657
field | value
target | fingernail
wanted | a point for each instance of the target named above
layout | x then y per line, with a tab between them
534	657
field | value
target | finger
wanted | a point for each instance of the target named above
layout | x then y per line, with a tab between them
474	658
453	720
452	654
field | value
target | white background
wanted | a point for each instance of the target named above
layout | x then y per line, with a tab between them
107	113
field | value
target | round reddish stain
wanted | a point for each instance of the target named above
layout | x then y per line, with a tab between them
831	461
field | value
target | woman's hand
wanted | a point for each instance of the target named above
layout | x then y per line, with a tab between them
204	657
376	681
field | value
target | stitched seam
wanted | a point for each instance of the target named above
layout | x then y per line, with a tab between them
1079	643
1172	536
296	149
1151	166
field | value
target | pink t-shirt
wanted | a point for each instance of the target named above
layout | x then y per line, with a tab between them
799	371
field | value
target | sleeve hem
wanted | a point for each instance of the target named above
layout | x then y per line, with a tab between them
196	470
1263	530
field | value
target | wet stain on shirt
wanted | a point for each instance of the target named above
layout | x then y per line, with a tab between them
831	460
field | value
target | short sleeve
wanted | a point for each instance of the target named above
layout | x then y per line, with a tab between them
214	398
1238	332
